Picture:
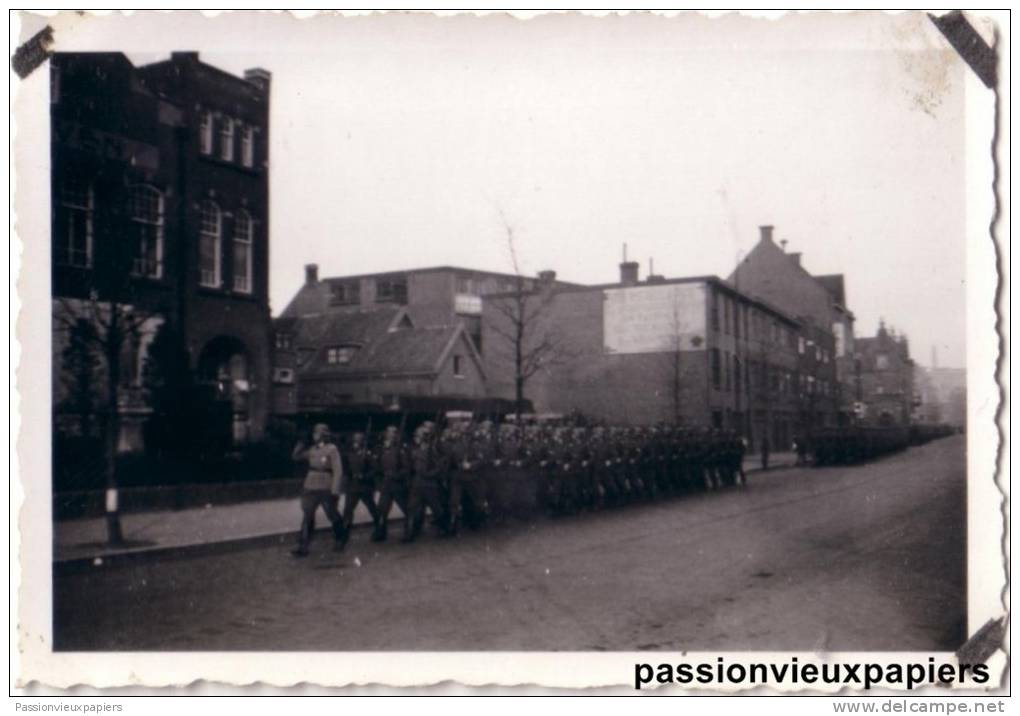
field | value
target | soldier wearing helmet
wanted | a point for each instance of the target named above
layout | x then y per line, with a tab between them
393	467
425	489
360	483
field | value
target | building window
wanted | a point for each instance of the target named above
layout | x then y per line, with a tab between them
146	210
716	369
248	146
458	367
345	294
209	246
391	290
466	285
74	247
284	376
715	311
205	132
242	251
340	355
736	375
882	361
283	341
227	139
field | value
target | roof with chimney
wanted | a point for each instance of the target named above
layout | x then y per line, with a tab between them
378	343
768	271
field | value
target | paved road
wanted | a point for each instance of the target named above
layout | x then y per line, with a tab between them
857	558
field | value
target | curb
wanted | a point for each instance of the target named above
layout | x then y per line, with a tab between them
141	555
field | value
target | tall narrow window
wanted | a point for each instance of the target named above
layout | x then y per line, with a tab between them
227	139
248	145
716	369
74	245
242	251
209	248
146	208
205	132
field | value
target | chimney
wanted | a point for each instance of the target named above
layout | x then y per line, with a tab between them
629	273
184	56
259	77
795	257
766	232
546	277
311	273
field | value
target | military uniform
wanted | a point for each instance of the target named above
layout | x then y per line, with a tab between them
392	465
425	488
321	488
360	483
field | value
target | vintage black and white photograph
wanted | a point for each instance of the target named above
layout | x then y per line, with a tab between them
418	333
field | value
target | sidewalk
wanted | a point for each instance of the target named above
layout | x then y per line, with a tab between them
82	542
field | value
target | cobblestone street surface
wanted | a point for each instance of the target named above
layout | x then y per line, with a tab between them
870	557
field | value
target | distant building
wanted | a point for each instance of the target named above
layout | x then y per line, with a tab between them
436	296
817	302
160	197
691	351
365	362
943	395
401	341
885	379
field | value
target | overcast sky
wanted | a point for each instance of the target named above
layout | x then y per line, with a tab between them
398	141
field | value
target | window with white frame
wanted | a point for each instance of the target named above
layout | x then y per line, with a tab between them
458	366
205	132
227	139
146	210
248	146
243	230
209	244
340	355
74	245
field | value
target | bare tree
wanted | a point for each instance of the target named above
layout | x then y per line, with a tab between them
111	330
524	329
676	374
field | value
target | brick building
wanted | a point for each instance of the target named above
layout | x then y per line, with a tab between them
160	200
410	341
817	302
365	362
693	351
436	296
885	379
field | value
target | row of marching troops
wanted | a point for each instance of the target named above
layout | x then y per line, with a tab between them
468	473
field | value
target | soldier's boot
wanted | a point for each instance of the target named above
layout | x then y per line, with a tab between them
304	537
412	528
340	535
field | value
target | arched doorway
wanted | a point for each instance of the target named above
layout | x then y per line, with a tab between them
224	376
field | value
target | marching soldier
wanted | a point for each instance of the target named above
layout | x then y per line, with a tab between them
321	488
470	456
393	466
425	488
360	484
